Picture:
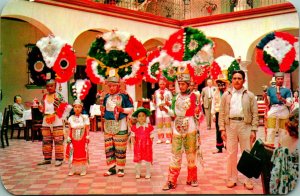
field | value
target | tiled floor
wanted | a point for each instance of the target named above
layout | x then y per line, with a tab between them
21	176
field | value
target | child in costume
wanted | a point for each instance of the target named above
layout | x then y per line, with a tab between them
77	148
142	136
162	98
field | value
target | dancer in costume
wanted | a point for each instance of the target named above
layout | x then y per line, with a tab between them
279	99
184	137
142	135
52	127
162	98
78	139
117	106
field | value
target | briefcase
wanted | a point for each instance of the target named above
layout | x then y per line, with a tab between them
250	165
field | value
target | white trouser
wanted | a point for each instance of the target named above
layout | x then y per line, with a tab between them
237	132
277	116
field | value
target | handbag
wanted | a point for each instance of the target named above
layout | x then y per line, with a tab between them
250	164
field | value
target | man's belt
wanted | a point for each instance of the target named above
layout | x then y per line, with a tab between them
237	118
277	104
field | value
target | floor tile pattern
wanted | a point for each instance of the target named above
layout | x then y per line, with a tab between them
20	174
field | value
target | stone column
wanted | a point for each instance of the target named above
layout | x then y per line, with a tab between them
130	89
242	5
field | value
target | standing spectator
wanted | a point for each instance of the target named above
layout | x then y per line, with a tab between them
216	102
142	134
117	106
285	159
238	120
18	109
295	101
207	93
172	88
194	89
162	97
52	126
279	98
184	137
78	139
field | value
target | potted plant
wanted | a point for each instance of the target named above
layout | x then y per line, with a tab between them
209	6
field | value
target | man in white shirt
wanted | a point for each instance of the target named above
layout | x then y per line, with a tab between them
238	121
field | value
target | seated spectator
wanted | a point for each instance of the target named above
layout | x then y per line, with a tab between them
285	159
18	109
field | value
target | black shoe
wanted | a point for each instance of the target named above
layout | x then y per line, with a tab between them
217	151
45	162
111	171
169	185
120	172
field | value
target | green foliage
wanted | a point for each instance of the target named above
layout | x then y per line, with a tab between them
169	77
199	37
271	62
97	48
154	68
265	40
234	66
116	58
294	66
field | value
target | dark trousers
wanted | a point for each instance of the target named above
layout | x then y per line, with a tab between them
219	143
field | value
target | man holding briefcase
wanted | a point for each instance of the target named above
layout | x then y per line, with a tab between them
238	121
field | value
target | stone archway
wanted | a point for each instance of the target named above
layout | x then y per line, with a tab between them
17	32
221	47
153	43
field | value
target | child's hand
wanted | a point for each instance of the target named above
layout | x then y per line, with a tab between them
133	121
119	109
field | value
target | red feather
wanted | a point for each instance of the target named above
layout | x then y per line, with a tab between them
66	56
135	49
175	45
260	61
215	70
94	77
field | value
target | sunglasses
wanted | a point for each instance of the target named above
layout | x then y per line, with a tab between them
221	84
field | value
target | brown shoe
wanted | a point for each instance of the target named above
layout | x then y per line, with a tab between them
230	184
169	185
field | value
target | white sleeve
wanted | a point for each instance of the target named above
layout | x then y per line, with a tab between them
86	119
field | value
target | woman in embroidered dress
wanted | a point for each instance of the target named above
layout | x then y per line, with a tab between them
142	135
77	148
285	159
